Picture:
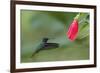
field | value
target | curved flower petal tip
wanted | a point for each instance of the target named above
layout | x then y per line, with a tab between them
73	30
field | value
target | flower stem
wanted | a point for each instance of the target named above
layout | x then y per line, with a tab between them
77	16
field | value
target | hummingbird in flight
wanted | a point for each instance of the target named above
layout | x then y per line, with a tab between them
44	45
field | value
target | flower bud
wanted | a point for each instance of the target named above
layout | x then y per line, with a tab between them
73	30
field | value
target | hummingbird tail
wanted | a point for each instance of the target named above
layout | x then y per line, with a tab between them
35	53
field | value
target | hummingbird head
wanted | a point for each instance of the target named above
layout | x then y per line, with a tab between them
45	39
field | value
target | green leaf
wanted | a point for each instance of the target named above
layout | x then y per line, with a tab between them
83	26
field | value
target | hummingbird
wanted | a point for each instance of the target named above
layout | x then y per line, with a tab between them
44	45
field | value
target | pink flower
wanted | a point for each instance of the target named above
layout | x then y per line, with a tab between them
73	30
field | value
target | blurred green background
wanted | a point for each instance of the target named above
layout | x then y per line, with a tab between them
35	25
